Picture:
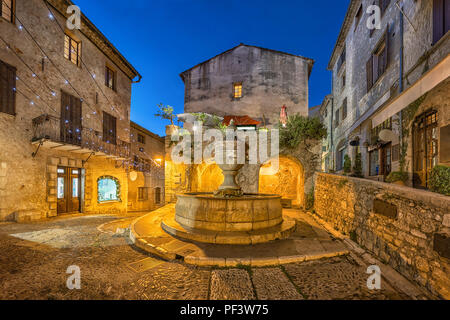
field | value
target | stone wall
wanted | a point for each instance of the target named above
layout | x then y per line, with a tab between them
406	228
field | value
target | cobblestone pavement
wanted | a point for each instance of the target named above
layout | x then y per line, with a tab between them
35	258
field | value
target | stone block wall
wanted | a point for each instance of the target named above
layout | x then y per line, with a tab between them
408	229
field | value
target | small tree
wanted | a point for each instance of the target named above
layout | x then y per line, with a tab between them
347	164
165	112
357	169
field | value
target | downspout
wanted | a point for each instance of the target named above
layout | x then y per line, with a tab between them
401	75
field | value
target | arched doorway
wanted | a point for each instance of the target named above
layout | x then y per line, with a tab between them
207	178
288	181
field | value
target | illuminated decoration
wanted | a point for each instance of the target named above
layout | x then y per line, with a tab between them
108	189
133	175
283	116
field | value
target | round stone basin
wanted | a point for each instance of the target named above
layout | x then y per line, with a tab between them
251	212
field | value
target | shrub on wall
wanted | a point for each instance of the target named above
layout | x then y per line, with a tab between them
396	176
309	201
298	129
440	180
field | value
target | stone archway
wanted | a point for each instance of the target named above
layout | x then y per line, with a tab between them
206	178
288	181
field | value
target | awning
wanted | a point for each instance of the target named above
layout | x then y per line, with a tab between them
427	82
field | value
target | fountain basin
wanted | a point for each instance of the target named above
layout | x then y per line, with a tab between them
251	212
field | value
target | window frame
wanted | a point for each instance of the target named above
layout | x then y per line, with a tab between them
110	72
68	55
12	12
118	195
241	90
382	48
142	194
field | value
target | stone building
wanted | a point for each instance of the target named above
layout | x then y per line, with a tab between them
391	89
64	115
250	85
146	180
249	80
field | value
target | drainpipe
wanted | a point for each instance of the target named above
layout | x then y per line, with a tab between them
401	72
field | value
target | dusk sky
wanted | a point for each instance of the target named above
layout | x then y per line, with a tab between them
162	38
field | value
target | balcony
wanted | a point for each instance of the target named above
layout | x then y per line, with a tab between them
50	133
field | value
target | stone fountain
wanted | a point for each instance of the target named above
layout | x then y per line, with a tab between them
229	216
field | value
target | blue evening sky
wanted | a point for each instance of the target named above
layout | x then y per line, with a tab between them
162	38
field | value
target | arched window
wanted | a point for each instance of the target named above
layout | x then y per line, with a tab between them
108	189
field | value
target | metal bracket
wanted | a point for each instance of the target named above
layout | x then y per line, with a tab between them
41	143
85	161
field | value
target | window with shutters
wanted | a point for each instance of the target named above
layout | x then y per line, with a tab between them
384	4
441	19
344	109
7	88
7	10
142	194
341	59
378	62
336	118
110	78
72	50
109	128
71	123
141	138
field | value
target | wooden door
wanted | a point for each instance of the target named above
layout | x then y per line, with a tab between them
425	149
69	190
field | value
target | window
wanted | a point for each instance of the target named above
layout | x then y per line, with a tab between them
344	79
158	195
441	19
342	58
7	88
71	119
378	62
336	120
142	194
109	128
237	90
72	50
110	78
7	10
108	189
358	16
344	109
141	138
